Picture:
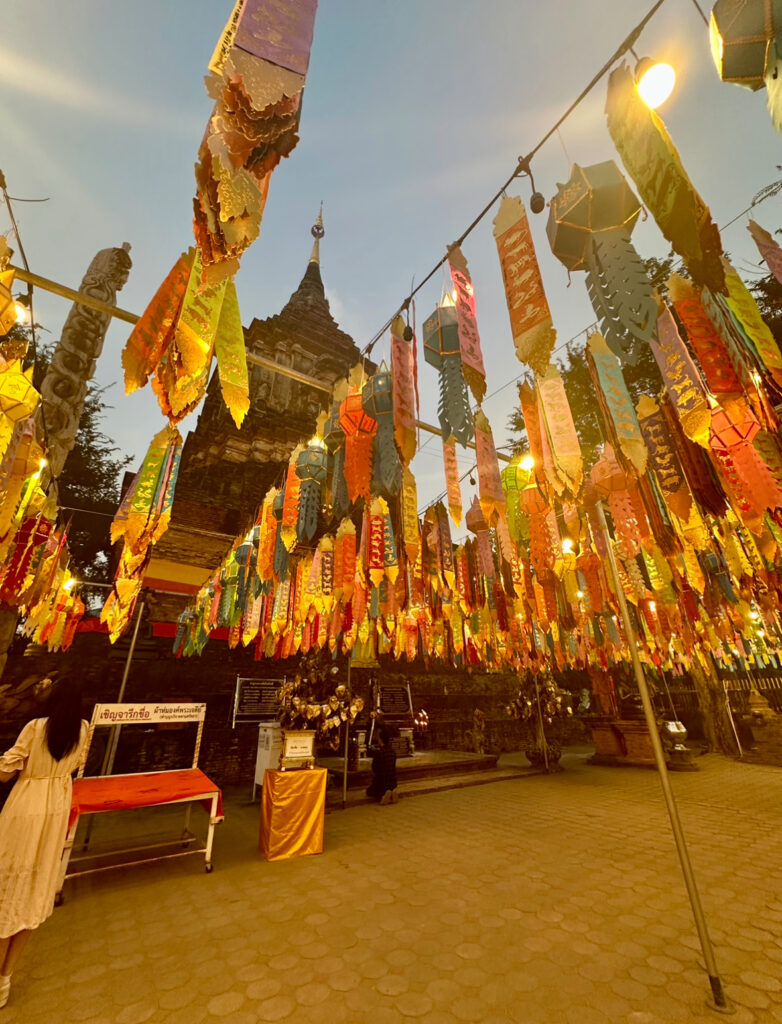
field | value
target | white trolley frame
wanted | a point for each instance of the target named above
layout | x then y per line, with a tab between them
115	716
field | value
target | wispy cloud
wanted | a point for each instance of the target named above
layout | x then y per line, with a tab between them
25	75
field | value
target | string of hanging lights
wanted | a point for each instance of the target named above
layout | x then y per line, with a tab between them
655	82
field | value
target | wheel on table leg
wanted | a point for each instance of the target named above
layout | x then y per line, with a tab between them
208	867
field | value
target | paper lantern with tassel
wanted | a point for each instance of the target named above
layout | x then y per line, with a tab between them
311	470
590	221
746	44
360	429
442	351
334	438
377	400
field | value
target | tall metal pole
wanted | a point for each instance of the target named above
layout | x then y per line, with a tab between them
543	744
111	750
347	733
715	981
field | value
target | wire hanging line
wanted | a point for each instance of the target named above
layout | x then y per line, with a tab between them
523	168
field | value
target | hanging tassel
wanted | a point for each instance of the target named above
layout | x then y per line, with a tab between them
378	402
453	487
620	293
410	527
454	411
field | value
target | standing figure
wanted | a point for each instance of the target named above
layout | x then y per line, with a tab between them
34	821
383	785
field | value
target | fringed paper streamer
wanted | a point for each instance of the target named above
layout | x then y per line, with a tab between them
154	332
704	338
345	560
528	398
197	325
311	471
768	248
232	357
489	480
446	545
377	400
532	328
469	339
559	431
405	391
410	528
663	458
360	430
620	293
390	561
745	309
280	563
376	541
654	165
452	485
615	399
290	506
267	537
682	380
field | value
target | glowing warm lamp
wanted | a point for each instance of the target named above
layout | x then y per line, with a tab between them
567	546
527	463
42	464
69	584
655	81
652	606
579	594
22	312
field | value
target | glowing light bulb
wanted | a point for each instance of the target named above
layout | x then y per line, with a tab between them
655	81
567	546
69	584
42	464
22	312
528	463
579	594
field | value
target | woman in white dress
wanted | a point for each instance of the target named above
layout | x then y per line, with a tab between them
34	821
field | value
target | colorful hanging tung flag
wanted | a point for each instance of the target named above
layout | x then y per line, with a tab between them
768	248
489	479
453	488
745	309
530	318
469	339
612	392
653	163
560	435
704	338
405	390
663	458
682	380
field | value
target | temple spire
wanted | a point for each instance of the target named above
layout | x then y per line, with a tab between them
318	232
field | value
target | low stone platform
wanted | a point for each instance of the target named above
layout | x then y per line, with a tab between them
422	764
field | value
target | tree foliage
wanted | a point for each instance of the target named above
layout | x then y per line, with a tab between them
89	484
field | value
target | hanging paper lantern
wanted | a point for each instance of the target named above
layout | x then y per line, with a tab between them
378	402
360	429
590	221
18	397
311	470
442	351
746	44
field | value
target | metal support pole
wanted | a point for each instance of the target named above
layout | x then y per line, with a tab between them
718	994
347	733
543	743
111	750
732	720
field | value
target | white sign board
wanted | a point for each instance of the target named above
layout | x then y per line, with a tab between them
141	714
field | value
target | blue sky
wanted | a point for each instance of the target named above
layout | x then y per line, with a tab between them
414	113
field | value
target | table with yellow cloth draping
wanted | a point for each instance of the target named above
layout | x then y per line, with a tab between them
293	805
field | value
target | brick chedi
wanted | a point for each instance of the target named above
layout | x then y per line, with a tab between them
226	471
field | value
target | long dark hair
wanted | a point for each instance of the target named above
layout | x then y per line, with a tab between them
63	714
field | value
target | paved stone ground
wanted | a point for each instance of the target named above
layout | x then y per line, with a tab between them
543	900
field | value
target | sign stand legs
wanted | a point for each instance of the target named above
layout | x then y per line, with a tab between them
720	1001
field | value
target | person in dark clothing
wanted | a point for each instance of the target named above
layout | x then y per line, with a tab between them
383	786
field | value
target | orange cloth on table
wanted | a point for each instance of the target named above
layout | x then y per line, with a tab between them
293	806
123	792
